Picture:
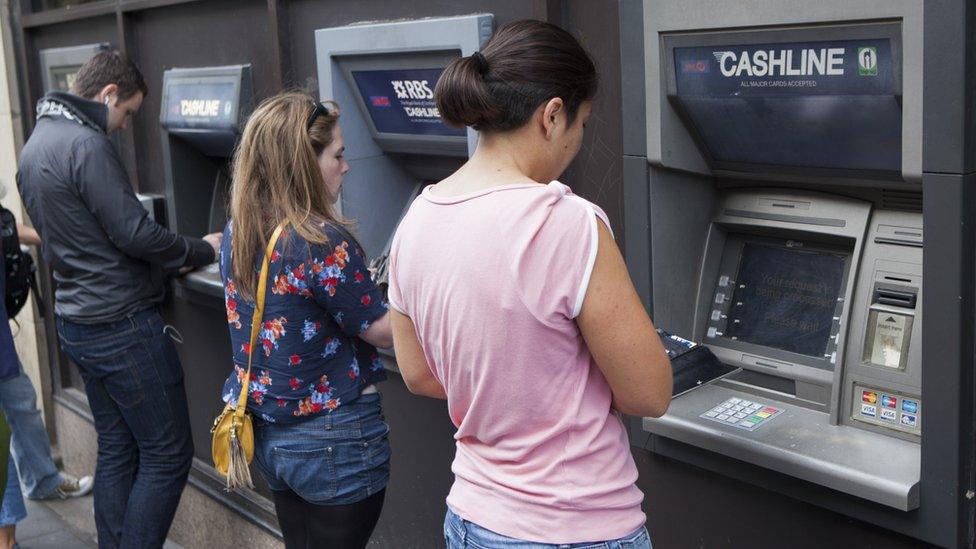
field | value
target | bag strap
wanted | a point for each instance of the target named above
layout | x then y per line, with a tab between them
257	319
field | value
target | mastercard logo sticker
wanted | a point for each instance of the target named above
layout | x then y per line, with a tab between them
869	396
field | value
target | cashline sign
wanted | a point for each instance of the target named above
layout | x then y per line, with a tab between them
847	67
200	105
402	101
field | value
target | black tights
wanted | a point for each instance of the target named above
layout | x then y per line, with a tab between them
305	525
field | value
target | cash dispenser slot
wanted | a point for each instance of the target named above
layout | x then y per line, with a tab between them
202	115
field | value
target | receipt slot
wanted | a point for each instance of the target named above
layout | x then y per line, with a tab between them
777	216
202	114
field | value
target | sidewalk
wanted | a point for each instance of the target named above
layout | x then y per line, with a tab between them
61	524
45	528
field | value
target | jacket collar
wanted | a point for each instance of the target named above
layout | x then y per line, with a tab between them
83	111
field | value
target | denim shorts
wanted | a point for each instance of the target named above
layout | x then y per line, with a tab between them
463	534
334	458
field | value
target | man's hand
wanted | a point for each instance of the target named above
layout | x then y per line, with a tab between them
214	239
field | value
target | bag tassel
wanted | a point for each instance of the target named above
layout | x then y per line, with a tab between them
238	473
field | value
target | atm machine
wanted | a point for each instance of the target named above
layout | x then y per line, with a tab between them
59	66
776	192
202	113
383	75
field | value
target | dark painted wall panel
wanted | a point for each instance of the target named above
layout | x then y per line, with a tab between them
597	172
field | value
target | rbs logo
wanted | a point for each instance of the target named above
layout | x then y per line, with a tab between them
412	89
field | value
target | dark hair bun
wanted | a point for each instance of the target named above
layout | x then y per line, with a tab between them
523	65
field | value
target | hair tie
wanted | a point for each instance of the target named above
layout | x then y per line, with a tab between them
480	62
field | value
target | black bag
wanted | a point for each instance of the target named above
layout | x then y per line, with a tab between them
20	269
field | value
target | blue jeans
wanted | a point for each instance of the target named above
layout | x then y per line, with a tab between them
134	383
12	510
30	445
463	534
333	458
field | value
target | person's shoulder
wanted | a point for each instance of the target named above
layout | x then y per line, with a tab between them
86	141
332	234
570	204
61	136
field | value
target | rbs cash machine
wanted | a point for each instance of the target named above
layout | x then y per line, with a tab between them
383	77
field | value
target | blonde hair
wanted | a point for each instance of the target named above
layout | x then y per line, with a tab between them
276	179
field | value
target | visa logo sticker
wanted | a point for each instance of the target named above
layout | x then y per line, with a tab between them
910	406
889	415
869	410
379	100
909	420
889	401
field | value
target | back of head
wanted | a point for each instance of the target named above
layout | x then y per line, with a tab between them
523	65
109	67
276	178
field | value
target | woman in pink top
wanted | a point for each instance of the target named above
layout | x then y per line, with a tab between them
510	299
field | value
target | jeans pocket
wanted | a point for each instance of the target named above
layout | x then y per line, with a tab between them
126	368
309	472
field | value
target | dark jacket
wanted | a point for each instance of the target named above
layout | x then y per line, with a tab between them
108	255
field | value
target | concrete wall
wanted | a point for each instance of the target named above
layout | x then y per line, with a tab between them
29	328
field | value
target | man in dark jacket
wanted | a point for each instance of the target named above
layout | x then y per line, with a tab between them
109	259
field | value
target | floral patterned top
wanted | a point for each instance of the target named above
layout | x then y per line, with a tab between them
309	359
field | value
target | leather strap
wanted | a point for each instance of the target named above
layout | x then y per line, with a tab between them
257	319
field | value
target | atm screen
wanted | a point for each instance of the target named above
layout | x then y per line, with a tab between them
62	78
402	101
201	105
785	298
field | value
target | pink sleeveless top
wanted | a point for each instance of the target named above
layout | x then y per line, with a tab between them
493	281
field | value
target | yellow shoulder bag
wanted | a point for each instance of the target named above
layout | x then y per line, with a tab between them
233	432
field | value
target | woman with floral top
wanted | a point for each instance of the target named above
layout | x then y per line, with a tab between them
320	439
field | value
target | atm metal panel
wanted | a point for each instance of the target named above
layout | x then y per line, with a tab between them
801	443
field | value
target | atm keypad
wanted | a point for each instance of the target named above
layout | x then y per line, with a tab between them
741	413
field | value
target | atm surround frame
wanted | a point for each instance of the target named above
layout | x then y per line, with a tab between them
930	30
889	30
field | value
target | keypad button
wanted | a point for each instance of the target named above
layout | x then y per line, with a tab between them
723	417
740	415
711	414
732	420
